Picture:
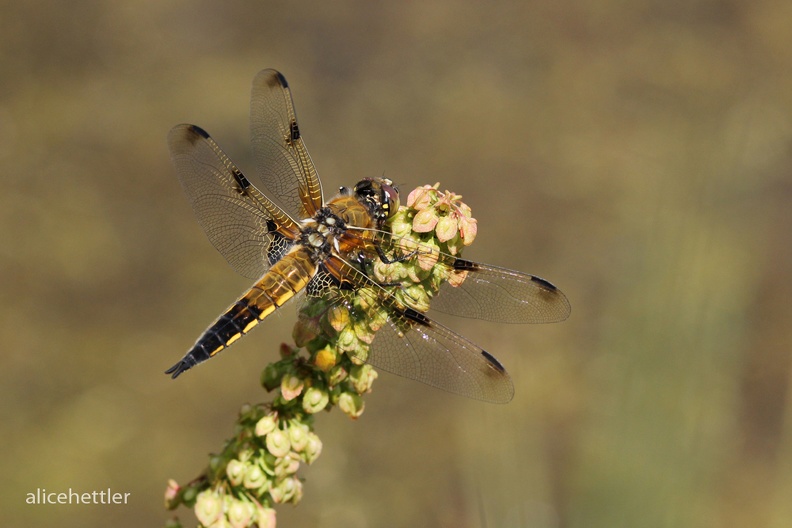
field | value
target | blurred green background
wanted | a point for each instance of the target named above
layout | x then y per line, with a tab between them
637	154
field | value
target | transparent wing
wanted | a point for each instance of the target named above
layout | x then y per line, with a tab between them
488	292
502	295
410	344
283	163
248	229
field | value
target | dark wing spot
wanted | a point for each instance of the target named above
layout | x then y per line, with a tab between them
492	361
278	78
416	317
465	265
295	131
195	133
242	181
544	283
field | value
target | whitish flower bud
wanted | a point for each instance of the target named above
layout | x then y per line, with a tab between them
266	425
172	494
240	514
425	221
285	490
313	448
362	378
298	435
446	228
427	258
255	478
208	507
235	471
287	466
468	227
297	495
278	443
291	386
265	517
315	400
222	522
422	197
351	404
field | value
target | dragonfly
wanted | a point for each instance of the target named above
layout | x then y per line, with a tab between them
282	233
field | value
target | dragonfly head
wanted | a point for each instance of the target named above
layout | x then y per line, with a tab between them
379	195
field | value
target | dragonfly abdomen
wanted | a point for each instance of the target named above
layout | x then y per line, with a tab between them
282	282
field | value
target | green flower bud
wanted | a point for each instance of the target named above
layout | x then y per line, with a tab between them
338	317
427	258
235	471
173	523
351	404
347	340
337	375
255	478
267	462
271	377
401	223
278	443
208	507
306	329
240	514
315	400
415	297
189	494
363	332
216	463
266	425
358	354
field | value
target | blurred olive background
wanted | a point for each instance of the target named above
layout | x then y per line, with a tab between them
637	154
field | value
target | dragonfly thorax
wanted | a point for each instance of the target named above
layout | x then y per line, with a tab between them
320	233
